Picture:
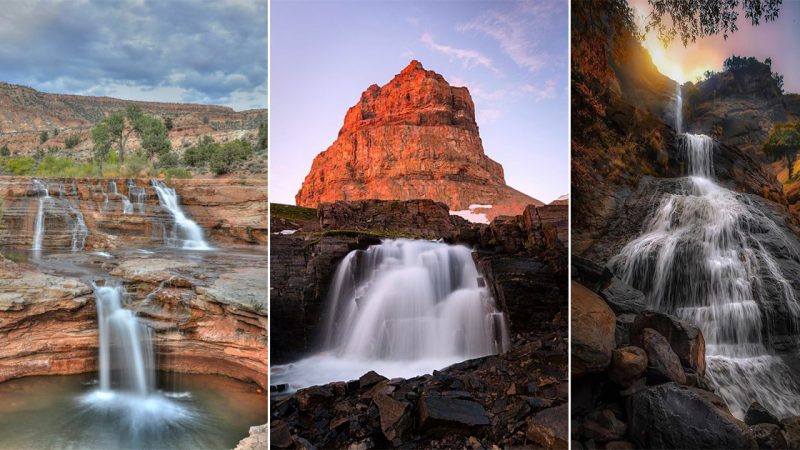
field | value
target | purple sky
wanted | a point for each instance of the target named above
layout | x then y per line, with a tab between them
511	55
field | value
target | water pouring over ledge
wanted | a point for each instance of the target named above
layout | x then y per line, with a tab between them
185	233
700	258
127	370
402	308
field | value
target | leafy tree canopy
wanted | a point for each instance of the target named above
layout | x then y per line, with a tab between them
784	142
689	20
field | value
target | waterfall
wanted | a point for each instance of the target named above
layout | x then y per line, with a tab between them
127	208
185	232
403	308
678	107
699	259
125	345
79	229
38	226
138	195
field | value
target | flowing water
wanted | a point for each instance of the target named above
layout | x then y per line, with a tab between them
402	308
699	259
42	413
185	233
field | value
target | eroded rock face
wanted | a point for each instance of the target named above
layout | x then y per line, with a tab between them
230	211
47	324
415	137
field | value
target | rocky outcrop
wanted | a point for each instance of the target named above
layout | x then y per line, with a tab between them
522	259
413	138
209	320
518	399
25	113
47	324
256	440
231	211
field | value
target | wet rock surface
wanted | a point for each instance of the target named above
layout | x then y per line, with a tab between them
515	399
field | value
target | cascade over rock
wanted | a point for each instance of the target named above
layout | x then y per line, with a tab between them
415	137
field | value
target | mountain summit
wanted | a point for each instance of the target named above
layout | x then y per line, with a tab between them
415	137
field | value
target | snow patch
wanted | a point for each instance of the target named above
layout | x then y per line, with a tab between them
471	216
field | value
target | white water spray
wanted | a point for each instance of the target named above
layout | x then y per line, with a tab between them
185	232
403	308
38	225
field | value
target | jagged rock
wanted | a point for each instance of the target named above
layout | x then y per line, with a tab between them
627	365
769	436
758	414
620	445
675	416
685	339
413	138
395	417
622	298
662	362
438	412
603	426
548	428
593	325
370	379
279	434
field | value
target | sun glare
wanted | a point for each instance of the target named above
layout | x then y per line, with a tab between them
670	64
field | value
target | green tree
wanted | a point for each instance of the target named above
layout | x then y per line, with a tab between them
168	160
263	136
4	151
693	19
72	141
153	135
43	137
103	140
168	123
55	131
784	142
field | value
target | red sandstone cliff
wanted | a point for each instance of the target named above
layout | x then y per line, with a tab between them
415	137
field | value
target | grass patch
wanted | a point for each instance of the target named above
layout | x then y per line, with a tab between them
291	212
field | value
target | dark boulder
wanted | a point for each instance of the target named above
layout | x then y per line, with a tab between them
769	436
675	416
758	414
370	379
395	417
685	339
440	413
603	426
791	426
622	298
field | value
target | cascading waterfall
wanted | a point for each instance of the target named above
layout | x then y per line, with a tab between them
79	229
127	368
127	208
185	233
698	259
38	226
120	329
403	308
138	195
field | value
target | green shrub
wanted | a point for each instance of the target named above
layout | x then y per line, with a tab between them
168	160
72	141
177	172
21	166
52	166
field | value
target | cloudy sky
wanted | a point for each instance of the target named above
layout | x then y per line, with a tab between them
779	40
212	52
511	55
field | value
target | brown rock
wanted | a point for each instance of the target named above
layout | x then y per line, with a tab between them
593	325
685	339
395	416
548	428
769	436
660	357
603	426
792	427
413	138
627	364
